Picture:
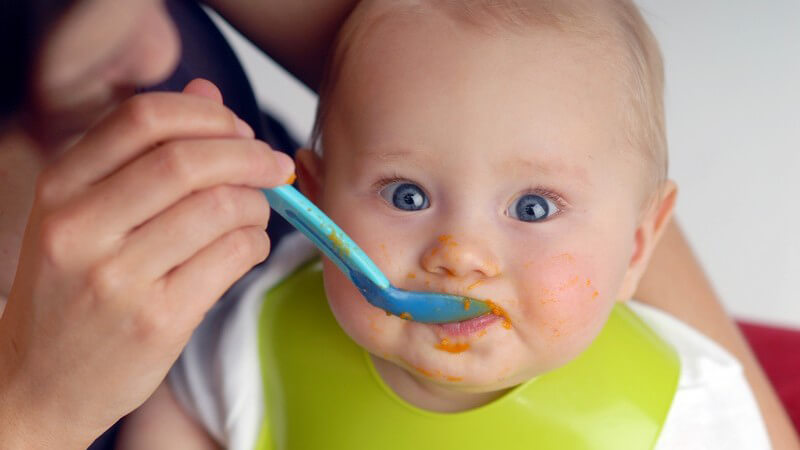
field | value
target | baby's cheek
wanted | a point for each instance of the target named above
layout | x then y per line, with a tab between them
562	299
364	323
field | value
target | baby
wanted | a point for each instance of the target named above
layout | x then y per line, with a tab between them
506	150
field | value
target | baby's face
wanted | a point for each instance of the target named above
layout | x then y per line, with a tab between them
492	166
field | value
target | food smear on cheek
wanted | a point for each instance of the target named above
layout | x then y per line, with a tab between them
572	282
548	296
556	328
552	295
452	347
411	275
589	285
291	179
406	316
566	257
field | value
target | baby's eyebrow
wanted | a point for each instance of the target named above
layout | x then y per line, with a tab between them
388	155
392	155
416	157
543	166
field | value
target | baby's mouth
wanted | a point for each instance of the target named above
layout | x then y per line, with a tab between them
468	327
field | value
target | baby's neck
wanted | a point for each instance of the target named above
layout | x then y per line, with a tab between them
428	395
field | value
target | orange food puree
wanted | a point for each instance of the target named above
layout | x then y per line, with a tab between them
291	179
405	316
498	311
467	303
436	374
456	347
425	372
337	242
474	285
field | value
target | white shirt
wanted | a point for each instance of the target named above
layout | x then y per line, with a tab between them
218	376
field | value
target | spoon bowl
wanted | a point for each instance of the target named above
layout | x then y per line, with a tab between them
419	306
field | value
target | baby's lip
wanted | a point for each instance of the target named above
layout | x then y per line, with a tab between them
468	327
472	326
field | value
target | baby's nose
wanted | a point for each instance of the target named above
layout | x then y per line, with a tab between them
459	258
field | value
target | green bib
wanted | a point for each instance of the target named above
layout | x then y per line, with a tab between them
321	391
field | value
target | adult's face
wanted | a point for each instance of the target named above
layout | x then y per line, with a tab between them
96	55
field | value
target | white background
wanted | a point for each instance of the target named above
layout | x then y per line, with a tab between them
733	115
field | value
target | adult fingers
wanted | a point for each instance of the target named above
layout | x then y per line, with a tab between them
132	129
195	285
110	210
189	226
203	88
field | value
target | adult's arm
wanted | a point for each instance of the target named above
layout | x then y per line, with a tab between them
296	33
675	282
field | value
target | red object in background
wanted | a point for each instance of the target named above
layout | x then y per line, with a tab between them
778	351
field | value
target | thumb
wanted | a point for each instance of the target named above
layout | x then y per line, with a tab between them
203	88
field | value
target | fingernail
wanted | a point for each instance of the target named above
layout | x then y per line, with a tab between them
284	162
244	129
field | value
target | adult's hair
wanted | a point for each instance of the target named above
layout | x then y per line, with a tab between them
23	25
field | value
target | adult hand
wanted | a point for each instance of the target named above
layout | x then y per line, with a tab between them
134	233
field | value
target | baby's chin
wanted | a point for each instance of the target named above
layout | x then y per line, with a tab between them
475	364
482	386
481	362
475	370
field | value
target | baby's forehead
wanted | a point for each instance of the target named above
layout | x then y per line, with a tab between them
380	30
411	67
592	19
611	29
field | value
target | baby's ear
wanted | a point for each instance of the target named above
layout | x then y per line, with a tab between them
309	173
649	232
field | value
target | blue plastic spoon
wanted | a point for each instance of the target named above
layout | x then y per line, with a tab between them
428	307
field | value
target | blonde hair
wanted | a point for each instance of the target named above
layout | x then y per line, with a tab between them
615	23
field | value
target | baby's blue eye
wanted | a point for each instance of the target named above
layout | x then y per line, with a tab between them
405	195
532	208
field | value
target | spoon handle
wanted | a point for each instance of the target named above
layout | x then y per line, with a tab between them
324	233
